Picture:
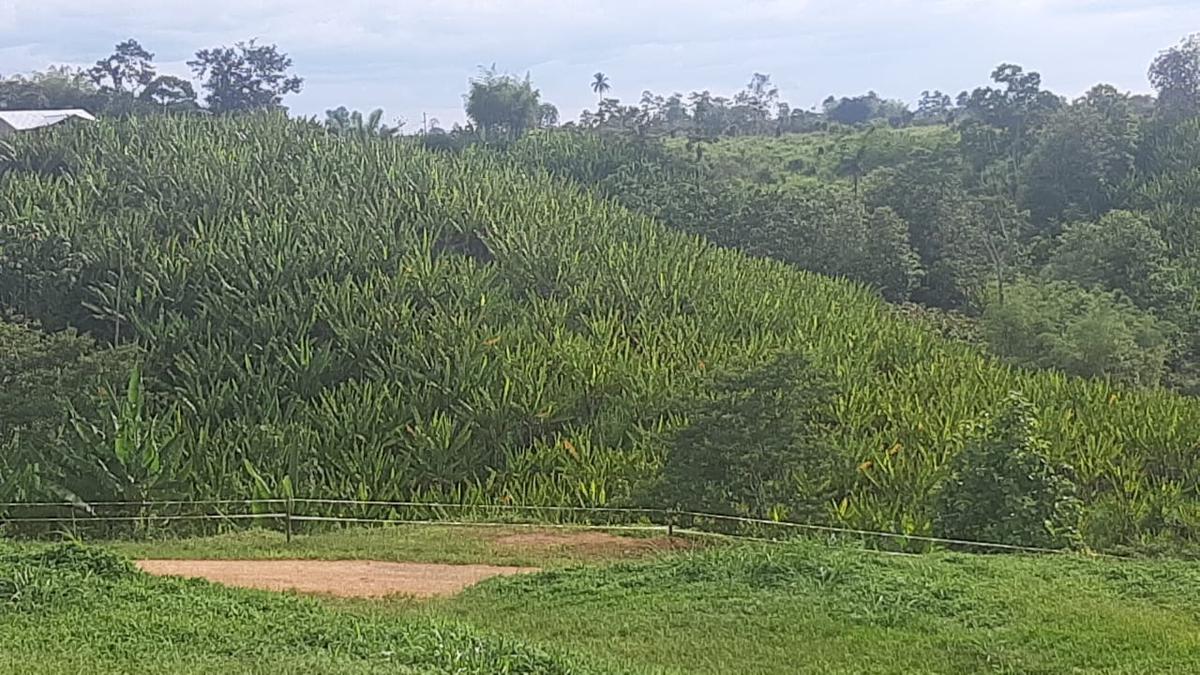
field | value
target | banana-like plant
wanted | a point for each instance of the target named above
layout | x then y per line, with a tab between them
135	457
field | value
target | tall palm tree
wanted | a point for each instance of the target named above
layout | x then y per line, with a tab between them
600	84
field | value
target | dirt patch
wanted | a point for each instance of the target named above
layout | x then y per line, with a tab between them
590	544
341	578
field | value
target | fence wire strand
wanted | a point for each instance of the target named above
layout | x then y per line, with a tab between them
670	517
871	533
146	518
169	502
475	523
494	507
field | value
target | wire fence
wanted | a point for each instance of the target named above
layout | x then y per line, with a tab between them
295	514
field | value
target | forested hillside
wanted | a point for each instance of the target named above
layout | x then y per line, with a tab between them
272	308
1083	260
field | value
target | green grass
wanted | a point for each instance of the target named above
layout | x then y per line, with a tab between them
72	610
800	607
425	543
813	157
806	608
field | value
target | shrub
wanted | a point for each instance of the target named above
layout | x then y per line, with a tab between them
1121	251
756	444
1004	489
1080	331
43	377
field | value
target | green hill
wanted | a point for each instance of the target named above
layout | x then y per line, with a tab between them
370	319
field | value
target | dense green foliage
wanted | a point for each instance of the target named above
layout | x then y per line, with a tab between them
757	445
1023	189
1057	324
1175	74
47	382
68	608
364	318
820	228
681	303
246	76
501	107
1003	489
946	206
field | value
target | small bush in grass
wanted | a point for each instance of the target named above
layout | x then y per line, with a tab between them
1004	489
59	573
71	558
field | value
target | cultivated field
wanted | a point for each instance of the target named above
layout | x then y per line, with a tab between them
279	312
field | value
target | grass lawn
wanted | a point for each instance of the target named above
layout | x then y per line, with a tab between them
67	609
805	608
789	608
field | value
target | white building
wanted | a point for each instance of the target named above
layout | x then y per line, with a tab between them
12	121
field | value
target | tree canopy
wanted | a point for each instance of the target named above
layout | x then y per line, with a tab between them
1175	75
128	69
502	106
246	76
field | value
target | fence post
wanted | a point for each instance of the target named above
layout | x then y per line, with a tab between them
287	517
670	523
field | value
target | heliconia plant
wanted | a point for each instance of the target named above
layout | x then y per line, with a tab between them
370	320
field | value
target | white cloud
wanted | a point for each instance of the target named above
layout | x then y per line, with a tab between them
411	56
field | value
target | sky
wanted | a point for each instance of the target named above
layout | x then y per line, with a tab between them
414	58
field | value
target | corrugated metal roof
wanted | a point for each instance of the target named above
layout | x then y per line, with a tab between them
22	120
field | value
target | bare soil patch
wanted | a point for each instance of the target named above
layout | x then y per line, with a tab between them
591	544
341	578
